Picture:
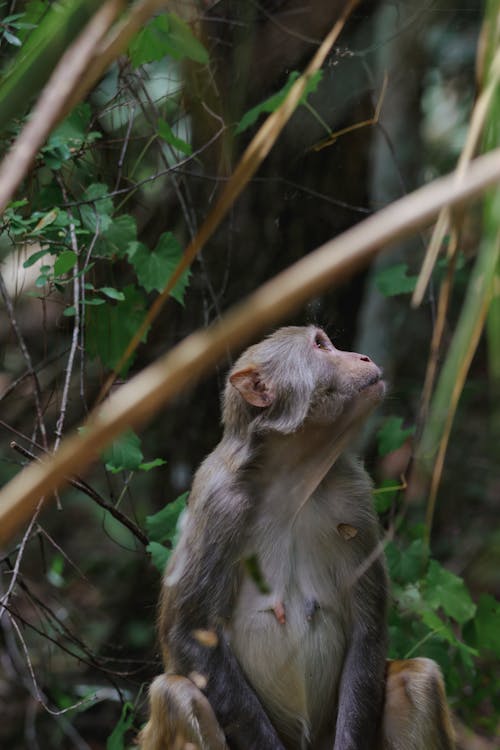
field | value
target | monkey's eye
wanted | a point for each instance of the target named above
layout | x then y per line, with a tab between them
321	342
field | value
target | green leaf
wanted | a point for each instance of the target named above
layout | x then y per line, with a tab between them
124	453
253	569
408	565
394	280
487	624
75	129
47	219
41	281
12	39
161	526
112	293
445	589
166	132
154	268
65	262
117	237
183	43
385	494
97	215
110	327
166	34
116	740
392	436
70	312
34	257
274	101
160	555
148	465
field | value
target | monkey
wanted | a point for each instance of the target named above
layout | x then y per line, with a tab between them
273	606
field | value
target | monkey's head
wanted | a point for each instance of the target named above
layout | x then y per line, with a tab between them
297	375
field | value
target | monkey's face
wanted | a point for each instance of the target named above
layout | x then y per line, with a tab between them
297	374
346	382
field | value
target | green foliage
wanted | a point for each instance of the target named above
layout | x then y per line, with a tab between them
166	132
57	24
125	454
392	436
166	34
395	280
385	495
484	632
11	25
431	605
273	102
162	531
155	267
432	613
111	326
116	740
252	567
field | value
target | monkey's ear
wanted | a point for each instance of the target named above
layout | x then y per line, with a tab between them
249	384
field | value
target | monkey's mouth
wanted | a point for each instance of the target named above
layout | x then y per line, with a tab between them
374	380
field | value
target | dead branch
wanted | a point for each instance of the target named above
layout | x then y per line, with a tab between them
137	401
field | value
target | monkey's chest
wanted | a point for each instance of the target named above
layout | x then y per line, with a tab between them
290	622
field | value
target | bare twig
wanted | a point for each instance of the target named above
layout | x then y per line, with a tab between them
139	399
81	485
15	572
76	327
37	393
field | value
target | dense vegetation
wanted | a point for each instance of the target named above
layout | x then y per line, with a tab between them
92	237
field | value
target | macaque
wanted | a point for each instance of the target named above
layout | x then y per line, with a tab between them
273	608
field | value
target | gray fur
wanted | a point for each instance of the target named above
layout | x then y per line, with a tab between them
301	666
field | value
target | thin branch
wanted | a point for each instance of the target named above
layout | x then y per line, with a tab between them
141	398
76	326
115	43
15	571
28	374
81	485
37	393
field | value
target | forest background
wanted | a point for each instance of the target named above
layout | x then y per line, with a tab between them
139	151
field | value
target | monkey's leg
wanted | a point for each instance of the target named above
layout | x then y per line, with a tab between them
181	718
416	714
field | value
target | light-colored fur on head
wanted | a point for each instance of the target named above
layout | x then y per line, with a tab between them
304	382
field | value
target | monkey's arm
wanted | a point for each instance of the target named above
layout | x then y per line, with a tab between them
362	683
204	575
